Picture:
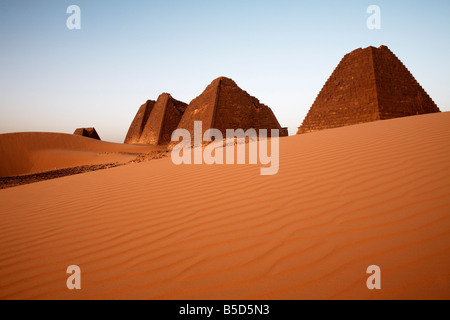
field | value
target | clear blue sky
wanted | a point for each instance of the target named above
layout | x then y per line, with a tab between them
282	52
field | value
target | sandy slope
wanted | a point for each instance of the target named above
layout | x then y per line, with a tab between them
35	152
344	199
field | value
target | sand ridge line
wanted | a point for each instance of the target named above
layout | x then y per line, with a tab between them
10	182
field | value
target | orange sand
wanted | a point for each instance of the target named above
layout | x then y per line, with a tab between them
344	199
36	152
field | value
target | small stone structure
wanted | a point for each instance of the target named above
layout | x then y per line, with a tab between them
88	133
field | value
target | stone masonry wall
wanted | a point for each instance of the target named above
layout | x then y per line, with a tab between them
173	114
348	97
139	121
368	85
399	94
223	105
163	120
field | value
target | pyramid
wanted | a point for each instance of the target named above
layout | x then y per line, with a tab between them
223	105
156	120
87	132
368	85
138	124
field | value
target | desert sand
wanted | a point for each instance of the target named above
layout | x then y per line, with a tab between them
344	199
35	152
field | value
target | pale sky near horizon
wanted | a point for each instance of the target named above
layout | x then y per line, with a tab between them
54	79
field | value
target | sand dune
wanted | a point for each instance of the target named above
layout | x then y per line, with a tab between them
35	152
344	199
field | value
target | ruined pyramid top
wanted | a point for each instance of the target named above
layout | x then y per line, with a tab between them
223	81
223	105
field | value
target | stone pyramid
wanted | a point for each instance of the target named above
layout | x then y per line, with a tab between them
87	132
368	85
155	121
223	105
138	124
